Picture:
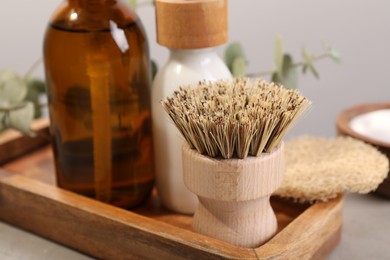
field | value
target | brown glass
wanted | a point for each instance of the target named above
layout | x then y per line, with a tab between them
97	69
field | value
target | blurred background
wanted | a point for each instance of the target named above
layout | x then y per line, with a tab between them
357	29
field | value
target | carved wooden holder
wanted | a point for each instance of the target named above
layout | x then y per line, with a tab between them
234	195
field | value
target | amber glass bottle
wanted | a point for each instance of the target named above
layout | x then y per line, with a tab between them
97	69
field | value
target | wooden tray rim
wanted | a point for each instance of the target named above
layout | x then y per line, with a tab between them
163	239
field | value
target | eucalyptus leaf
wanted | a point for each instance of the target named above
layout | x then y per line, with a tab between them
2	121
35	88
232	52
239	67
334	55
154	69
279	54
36	85
289	75
12	87
276	78
132	3
309	62
4	104
21	119
304	68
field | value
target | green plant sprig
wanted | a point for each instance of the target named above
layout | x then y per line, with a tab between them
19	99
297	64
285	71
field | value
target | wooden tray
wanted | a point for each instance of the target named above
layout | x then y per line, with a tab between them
29	199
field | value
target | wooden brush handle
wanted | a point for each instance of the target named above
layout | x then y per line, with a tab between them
234	195
245	223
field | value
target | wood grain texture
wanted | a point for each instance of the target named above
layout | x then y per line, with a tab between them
234	195
13	143
191	24
319	228
98	229
30	200
344	129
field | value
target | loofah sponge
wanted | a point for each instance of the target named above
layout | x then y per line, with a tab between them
320	168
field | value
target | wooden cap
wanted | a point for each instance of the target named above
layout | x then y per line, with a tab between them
191	24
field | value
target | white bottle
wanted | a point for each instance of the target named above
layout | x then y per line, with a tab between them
189	62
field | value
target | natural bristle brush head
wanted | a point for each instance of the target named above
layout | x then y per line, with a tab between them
234	118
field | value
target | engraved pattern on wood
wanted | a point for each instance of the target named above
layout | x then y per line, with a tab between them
234	195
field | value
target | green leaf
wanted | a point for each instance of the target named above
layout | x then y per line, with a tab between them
2	121
304	68
153	2
276	78
35	88
154	69
21	119
35	84
12	87
334	55
232	52
279	54
4	104
239	67
289	75
132	3
309	62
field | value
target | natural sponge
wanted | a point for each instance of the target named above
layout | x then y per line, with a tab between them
321	168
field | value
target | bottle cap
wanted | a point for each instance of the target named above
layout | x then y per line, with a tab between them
191	24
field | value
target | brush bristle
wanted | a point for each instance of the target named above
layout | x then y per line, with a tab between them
234	118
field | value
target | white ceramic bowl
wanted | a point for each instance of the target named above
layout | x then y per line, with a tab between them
371	124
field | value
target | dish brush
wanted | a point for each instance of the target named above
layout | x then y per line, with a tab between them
234	158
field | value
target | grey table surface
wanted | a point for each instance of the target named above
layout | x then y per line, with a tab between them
365	235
